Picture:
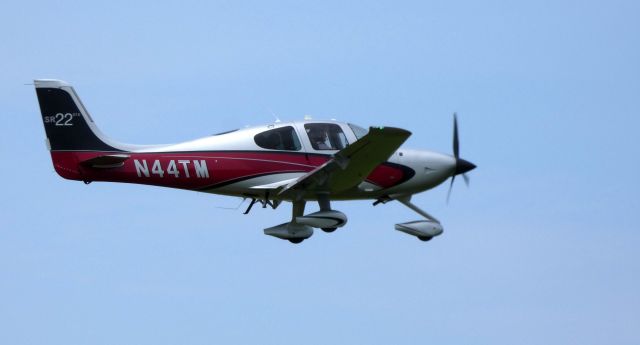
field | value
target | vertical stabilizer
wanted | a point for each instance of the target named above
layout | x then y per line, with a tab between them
66	121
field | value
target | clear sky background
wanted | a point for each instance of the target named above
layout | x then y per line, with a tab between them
543	248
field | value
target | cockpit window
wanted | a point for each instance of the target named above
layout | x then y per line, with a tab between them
283	138
326	136
358	131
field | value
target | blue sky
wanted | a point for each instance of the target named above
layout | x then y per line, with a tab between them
543	248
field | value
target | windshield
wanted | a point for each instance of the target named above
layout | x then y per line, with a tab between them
358	131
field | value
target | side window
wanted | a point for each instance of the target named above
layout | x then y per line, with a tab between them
326	136
358	131
284	138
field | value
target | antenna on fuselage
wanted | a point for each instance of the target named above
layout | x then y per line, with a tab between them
274	115
232	208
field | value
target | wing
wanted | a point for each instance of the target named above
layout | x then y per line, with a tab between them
351	165
274	185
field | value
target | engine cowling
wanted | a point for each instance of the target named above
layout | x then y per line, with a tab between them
423	229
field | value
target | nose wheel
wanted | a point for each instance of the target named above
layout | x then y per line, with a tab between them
424	230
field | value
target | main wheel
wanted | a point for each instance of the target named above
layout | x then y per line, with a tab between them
296	240
425	238
328	229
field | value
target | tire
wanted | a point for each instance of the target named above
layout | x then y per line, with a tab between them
424	238
296	240
328	230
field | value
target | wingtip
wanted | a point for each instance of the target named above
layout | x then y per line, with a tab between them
391	130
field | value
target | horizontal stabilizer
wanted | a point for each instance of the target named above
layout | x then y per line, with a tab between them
105	162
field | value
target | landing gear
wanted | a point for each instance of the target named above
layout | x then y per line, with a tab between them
424	230
326	219
292	231
324	202
301	226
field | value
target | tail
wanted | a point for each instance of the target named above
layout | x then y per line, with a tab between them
66	121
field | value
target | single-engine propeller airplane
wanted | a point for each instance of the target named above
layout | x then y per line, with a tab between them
297	162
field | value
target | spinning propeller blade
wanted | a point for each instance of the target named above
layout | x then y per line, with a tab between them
462	166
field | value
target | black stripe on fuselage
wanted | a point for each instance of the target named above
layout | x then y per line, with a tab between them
246	177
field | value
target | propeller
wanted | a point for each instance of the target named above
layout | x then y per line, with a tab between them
462	166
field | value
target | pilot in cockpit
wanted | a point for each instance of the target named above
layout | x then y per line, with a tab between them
318	137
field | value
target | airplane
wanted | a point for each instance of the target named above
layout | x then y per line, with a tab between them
298	162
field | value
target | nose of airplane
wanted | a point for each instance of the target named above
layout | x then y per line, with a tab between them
463	166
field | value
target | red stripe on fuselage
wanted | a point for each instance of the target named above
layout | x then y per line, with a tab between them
169	169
